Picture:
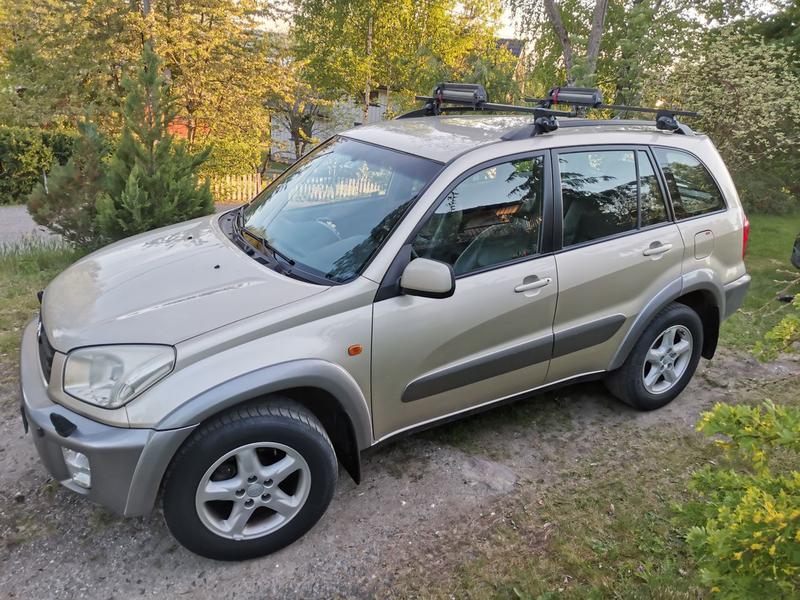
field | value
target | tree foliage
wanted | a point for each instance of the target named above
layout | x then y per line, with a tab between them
405	46
65	200
749	103
59	59
151	179
26	154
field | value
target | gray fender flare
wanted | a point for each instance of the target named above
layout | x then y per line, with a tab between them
176	427
699	280
297	373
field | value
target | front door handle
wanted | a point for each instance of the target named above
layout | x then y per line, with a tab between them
657	248
533	285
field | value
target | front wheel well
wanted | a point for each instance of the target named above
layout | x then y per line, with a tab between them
336	422
705	305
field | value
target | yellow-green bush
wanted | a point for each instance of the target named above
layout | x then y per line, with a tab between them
747	541
784	336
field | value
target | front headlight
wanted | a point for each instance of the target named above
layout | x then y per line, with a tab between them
110	376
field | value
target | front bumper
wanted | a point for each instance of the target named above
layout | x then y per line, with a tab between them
127	464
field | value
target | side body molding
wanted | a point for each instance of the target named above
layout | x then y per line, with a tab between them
700	280
297	373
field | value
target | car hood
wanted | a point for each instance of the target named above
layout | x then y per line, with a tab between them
162	287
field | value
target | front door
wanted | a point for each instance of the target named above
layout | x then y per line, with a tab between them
493	337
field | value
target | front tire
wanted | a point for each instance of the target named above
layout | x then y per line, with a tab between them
250	481
663	360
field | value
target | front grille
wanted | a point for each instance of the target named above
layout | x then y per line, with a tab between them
46	352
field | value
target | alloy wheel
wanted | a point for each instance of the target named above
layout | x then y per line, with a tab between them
253	490
667	359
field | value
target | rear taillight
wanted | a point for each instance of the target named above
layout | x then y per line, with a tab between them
745	234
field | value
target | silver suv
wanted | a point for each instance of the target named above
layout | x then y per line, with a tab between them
399	275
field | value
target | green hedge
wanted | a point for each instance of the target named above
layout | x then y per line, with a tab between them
25	155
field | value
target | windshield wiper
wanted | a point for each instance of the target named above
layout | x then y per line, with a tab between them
269	247
240	228
276	254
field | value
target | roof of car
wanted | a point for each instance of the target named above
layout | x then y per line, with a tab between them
446	137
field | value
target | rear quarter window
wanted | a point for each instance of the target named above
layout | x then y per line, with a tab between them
691	186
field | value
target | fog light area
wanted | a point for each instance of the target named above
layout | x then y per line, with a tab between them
78	467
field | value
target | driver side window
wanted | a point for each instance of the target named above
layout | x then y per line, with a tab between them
492	217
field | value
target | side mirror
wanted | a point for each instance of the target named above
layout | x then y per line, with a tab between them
428	278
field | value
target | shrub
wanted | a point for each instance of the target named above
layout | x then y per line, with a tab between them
232	157
784	336
66	203
25	155
748	542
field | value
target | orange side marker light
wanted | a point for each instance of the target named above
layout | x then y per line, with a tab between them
355	349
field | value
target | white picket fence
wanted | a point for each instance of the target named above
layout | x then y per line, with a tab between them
324	189
238	189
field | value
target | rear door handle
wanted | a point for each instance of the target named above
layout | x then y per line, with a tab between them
533	285
657	248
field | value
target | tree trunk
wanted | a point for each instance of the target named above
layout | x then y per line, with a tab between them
563	37
191	130
593	49
367	87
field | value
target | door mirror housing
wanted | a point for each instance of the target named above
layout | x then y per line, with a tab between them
428	278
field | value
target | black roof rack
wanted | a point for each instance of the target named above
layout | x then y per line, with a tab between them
584	99
460	97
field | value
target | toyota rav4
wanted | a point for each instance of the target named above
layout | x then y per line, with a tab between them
399	275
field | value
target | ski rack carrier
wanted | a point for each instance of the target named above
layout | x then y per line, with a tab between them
460	97
583	99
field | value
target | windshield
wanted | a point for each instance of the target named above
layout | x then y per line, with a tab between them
333	209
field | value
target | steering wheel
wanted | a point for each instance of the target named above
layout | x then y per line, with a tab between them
330	226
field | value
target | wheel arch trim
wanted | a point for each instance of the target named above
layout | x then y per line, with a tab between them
699	280
314	373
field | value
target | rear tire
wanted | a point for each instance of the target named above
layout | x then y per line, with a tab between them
663	360
250	481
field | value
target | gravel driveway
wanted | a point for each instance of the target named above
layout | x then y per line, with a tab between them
417	495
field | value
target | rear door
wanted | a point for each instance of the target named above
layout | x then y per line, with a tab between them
433	357
619	247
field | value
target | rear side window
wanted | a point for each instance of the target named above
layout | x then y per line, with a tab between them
599	194
690	184
654	209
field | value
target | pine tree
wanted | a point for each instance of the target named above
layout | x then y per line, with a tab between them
152	178
65	201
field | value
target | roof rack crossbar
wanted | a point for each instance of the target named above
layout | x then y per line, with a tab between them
459	97
454	97
545	103
460	105
583	99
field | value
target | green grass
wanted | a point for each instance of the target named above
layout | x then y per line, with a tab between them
771	239
25	268
608	526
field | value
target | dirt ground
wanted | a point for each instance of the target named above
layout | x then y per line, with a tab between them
418	495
